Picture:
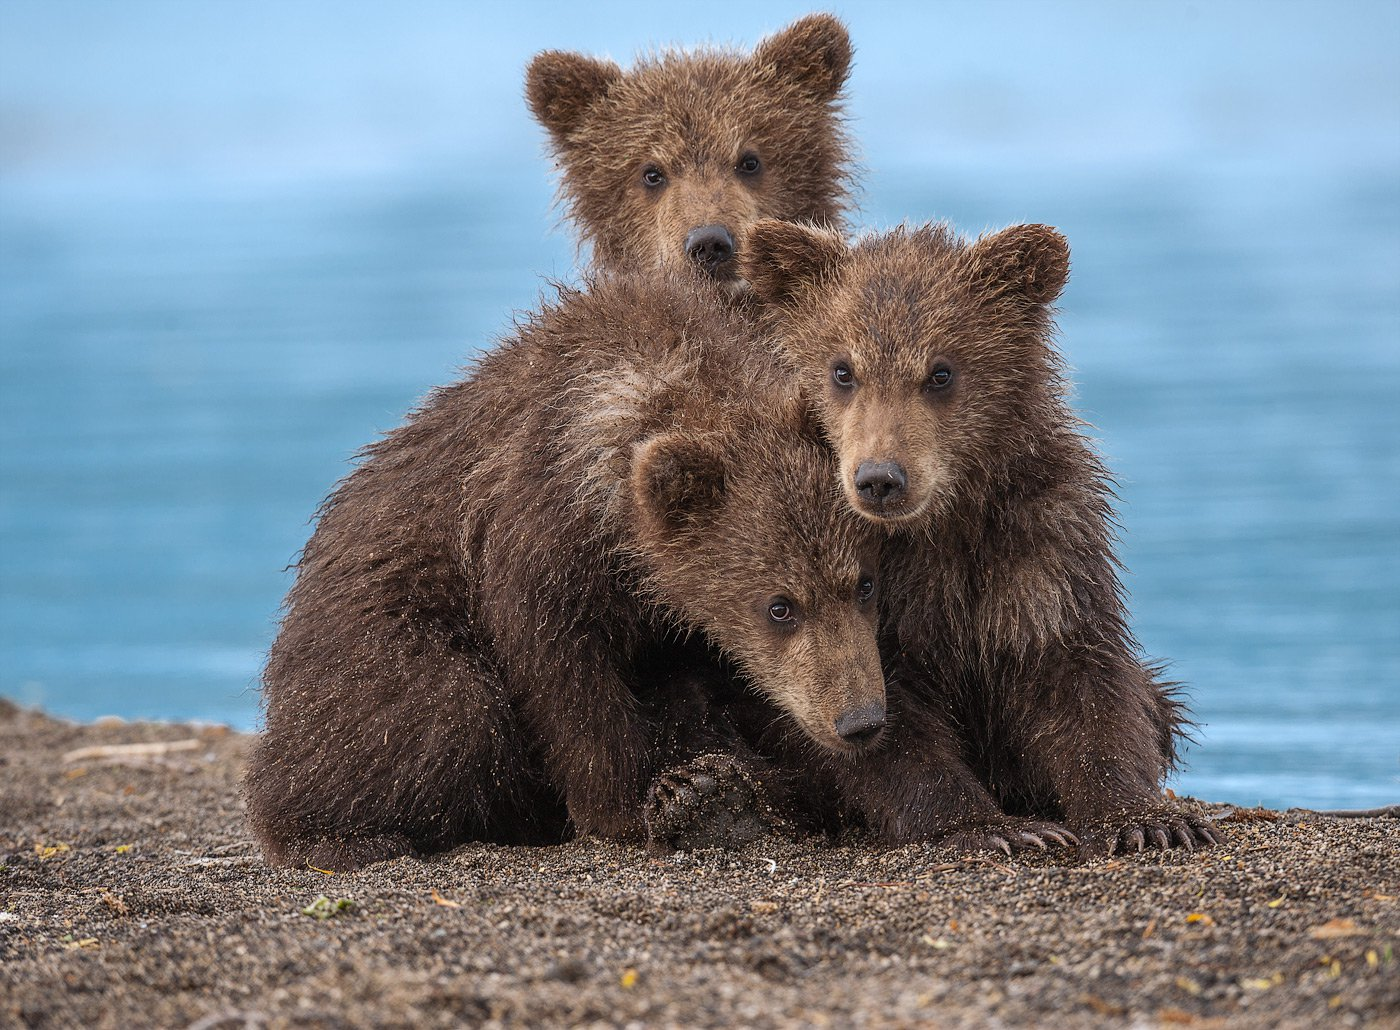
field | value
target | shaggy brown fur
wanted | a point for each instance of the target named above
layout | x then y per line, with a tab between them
487	634
932	364
686	141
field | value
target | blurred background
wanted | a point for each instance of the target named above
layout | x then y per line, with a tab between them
238	240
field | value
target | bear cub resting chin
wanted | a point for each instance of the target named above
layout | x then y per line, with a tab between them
931	364
669	163
491	635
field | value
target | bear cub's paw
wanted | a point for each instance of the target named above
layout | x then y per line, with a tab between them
1158	826
1009	835
709	802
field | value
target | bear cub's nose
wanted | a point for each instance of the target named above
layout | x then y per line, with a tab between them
880	482
861	725
709	246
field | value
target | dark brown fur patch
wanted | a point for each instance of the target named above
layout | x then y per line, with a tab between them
562	87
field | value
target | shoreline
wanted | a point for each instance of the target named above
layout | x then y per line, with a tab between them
131	893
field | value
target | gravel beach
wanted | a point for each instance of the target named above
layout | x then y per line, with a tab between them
131	895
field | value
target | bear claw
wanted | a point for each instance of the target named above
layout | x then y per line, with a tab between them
1162	829
1010	835
711	801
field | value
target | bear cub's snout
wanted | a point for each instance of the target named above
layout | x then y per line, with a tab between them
881	484
712	248
862	726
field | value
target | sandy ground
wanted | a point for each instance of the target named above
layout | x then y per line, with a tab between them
131	895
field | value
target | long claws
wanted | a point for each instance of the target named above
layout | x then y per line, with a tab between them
1163	828
1012	835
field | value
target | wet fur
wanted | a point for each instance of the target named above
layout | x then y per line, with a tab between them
1002	604
502	624
693	114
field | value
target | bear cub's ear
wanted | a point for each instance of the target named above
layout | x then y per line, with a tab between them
677	479
785	262
813	52
560	88
1032	260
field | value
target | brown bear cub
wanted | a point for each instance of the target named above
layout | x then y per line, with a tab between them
487	637
670	162
932	365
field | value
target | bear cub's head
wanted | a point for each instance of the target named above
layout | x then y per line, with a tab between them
670	162
745	534
929	357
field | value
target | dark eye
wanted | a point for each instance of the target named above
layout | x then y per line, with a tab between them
842	375
653	177
939	378
749	164
780	610
865	589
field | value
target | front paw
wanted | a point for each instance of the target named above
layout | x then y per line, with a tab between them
1154	825
1009	835
711	801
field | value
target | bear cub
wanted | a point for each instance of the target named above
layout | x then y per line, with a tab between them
669	162
492	628
931	362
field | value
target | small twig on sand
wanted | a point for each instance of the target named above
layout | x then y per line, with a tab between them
1384	812
987	860
890	885
119	752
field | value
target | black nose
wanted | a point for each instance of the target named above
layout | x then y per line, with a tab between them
709	246
881	482
861	725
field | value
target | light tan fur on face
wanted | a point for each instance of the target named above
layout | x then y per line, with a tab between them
693	116
892	311
701	196
889	422
831	667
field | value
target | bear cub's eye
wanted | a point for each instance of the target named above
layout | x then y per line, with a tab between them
865	589
842	375
939	378
781	611
652	177
749	164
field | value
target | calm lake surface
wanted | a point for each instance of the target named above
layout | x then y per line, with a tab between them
188	363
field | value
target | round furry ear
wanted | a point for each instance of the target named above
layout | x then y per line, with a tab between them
813	52
1032	260
785	262
677	478
560	87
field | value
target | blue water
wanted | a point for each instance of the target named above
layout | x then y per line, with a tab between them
238	242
